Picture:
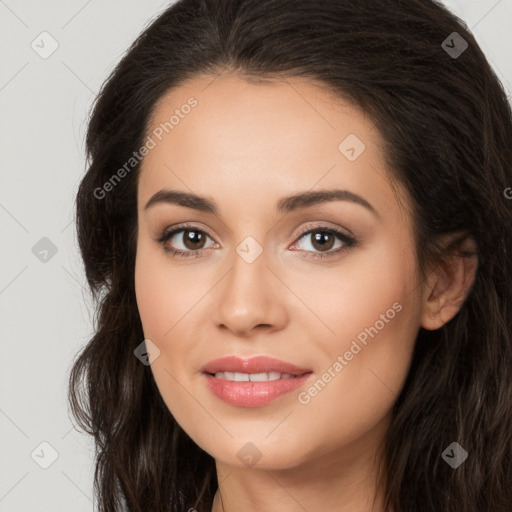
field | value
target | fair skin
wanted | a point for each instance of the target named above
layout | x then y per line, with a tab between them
245	146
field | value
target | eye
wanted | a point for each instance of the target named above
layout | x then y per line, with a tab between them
193	240
323	241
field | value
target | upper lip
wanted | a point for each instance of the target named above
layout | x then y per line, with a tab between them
259	364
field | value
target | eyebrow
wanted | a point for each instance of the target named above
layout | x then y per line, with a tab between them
297	201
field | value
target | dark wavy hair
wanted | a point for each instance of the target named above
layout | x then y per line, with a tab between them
447	126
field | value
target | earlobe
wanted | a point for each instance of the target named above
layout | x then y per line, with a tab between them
448	286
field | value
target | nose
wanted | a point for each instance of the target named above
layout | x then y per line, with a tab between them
251	298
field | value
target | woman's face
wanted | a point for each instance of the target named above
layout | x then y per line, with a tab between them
257	286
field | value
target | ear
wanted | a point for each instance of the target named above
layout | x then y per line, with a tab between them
448	285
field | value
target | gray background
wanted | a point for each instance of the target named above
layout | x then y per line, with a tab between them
45	311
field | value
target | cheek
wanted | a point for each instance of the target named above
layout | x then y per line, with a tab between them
373	313
165	294
377	289
163	301
152	301
359	383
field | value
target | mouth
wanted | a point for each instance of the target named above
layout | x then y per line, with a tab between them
253	382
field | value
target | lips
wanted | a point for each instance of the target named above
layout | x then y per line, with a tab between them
260	364
269	379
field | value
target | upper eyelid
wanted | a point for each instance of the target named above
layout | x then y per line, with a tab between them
325	227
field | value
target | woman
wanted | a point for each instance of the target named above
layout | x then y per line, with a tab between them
296	224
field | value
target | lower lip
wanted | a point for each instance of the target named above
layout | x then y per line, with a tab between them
252	394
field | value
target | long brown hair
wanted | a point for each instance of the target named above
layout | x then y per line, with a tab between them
447	126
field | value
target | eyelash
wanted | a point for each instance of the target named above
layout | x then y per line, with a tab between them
349	242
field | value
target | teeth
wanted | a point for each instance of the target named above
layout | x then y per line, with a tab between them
253	377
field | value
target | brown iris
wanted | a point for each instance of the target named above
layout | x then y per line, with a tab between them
319	240
194	238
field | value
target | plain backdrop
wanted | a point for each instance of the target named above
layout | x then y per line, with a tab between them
46	314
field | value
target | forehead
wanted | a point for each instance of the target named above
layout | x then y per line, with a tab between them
249	140
230	111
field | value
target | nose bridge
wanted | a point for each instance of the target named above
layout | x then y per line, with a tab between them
248	295
249	272
250	246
